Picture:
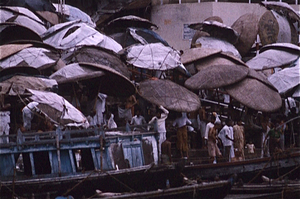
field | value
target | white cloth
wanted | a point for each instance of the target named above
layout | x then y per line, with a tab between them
100	108
226	130
250	148
111	124
28	114
182	121
125	113
209	125
4	125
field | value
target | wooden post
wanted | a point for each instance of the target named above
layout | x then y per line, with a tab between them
58	151
101	152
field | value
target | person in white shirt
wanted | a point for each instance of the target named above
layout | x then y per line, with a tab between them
182	137
160	120
28	113
209	125
226	135
138	119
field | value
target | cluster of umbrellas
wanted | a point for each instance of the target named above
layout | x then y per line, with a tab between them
74	52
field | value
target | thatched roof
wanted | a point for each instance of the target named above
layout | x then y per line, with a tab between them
255	94
169	94
288	47
216	76
247	28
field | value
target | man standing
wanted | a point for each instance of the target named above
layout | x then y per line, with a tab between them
160	119
226	135
239	138
182	137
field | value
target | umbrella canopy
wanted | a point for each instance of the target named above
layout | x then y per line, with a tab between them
103	78
34	56
216	76
272	58
247	28
72	13
255	94
169	94
10	32
218	59
297	92
194	54
288	47
10	49
58	109
18	84
284	8
38	5
212	42
98	55
286	79
23	17
218	30
273	27
154	56
75	33
122	23
137	36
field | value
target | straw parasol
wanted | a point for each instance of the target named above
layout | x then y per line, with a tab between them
218	59
288	47
213	42
247	28
284	8
169	94
153	56
122	23
256	92
286	79
10	49
272	58
216	76
194	54
95	76
98	55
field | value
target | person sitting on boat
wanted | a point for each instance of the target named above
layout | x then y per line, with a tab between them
226	135
182	137
213	149
239	137
160	119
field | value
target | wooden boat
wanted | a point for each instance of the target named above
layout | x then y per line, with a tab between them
112	161
248	170
209	190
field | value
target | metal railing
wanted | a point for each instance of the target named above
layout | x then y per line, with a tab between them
229	1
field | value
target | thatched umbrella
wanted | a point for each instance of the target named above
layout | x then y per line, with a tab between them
247	28
284	8
153	56
122	23
194	54
11	32
218	30
98	55
288	47
286	79
95	76
169	94
255	92
272	58
273	27
218	59
216	76
18	84
213	42
10	49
